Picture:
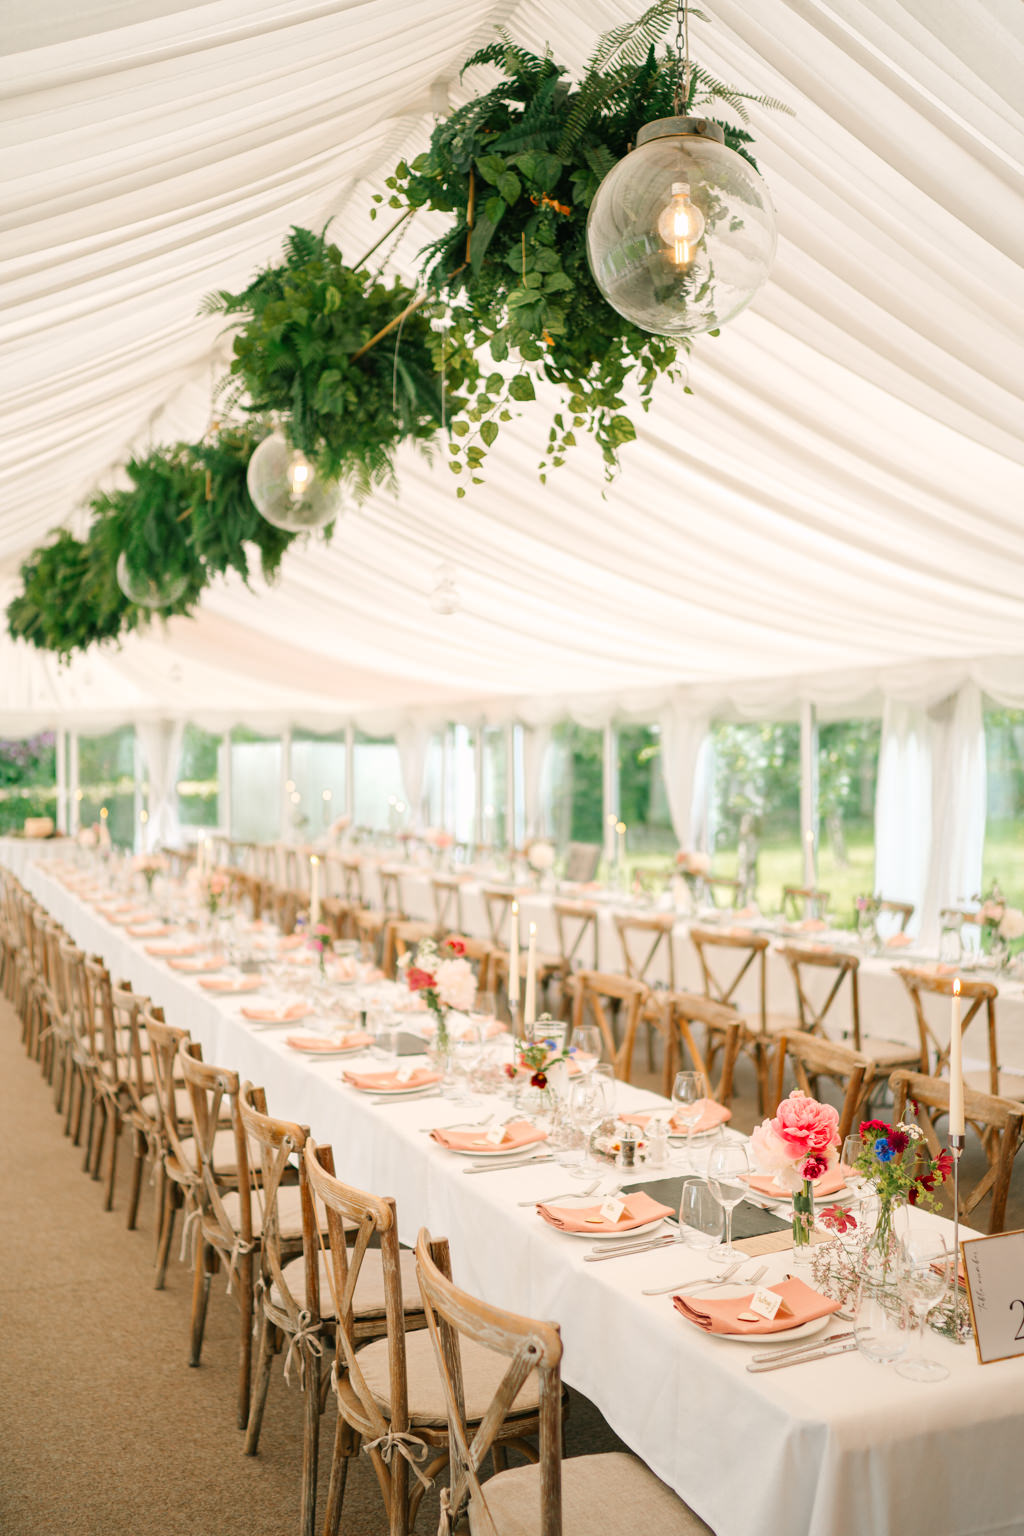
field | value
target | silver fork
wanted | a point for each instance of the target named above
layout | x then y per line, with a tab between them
460	1125
723	1279
564	1194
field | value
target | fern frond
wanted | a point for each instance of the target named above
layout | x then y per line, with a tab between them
631	44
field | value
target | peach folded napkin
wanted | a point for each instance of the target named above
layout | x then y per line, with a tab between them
328	1043
293	941
711	1114
226	984
193	967
127	919
390	1082
166	951
898	941
638	1210
812	925
715	1316
830	1183
287	1015
149	931
519	1134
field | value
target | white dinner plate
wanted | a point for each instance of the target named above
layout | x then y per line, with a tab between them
618	1237
787	1200
724	1292
396	1093
337	1050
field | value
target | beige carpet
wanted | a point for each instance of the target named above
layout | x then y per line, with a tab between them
104	1429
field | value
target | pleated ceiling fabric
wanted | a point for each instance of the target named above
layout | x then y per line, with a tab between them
842	495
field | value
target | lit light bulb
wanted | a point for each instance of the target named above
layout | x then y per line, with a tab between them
300	473
681	225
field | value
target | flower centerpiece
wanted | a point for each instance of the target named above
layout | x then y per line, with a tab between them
149	865
796	1146
538	1056
444	978
1002	926
868	908
891	1160
540	855
318	939
694	868
213	888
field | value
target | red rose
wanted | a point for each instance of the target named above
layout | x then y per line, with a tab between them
455	945
419	980
869	1128
510	1070
538	1080
814	1167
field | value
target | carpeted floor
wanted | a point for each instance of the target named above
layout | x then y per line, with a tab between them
104	1429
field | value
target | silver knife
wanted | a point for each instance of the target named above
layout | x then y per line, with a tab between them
789	1350
624	1253
415	1093
842	1348
519	1162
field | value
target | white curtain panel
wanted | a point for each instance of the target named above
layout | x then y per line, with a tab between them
160	745
536	742
413	741
903	806
685	759
958	805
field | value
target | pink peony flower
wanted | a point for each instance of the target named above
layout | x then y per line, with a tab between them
802	1131
419	980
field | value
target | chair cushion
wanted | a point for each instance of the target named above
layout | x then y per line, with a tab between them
599	1493
774	1024
482	1374
1011	1084
369	1291
182	1105
890	1052
289	1211
223	1152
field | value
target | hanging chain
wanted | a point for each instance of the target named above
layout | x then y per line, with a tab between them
682	91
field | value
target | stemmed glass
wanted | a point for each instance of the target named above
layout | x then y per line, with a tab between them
689	1090
858	1182
728	1168
924	1278
591	1100
586	1046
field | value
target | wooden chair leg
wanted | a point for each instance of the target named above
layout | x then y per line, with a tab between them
200	1300
138	1164
499	1456
171	1200
115	1137
261	1384
94	1143
343	1450
310	1441
244	1281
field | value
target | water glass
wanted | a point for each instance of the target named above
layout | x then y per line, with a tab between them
925	1276
879	1325
701	1217
728	1170
689	1090
586	1046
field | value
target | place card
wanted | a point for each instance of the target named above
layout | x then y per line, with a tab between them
768	1304
994	1272
406	1071
612	1209
496	1135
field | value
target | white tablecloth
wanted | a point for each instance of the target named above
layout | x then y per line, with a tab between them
839	1447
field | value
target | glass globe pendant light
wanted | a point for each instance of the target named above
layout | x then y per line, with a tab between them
148	591
286	489
681	233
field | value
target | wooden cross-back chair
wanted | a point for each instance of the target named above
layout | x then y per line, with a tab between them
724	884
902	910
497	904
723	1036
741	951
391	897
976	996
998	1122
11	937
293	1295
177	1182
595	993
245	891
807	961
602	1493
67	1047
107	1050
798	899
646	941
219	1160
447	895
48	1029
810	1058
137	1100
388	1396
576	926
351	868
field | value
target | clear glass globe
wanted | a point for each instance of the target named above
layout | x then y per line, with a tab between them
681	233
146	590
286	489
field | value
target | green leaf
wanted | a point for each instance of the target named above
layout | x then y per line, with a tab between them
510	187
460	428
491	167
521	387
488	431
558	283
493	383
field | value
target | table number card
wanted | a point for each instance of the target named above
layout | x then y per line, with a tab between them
994	1270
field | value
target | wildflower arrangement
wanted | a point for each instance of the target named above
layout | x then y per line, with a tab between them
214	888
444	978
318	939
883	1160
537	1056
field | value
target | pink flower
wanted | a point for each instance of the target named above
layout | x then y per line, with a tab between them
814	1168
419	980
807	1127
838	1218
454	945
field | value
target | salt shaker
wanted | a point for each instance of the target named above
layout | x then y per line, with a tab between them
656	1137
628	1145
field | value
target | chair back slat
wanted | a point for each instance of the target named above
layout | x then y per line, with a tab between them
274	1143
652	935
743	950
974	995
805	962
593	993
576	924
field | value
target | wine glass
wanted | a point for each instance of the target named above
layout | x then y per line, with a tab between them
728	1169
924	1277
701	1218
586	1046
859	1183
591	1100
689	1092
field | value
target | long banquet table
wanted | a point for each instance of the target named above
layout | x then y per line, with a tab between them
836	1447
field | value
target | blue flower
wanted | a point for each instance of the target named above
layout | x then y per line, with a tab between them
550	1044
883	1151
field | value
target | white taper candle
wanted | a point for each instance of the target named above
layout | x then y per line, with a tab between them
956	1069
513	954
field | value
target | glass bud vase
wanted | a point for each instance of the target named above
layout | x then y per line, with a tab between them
803	1216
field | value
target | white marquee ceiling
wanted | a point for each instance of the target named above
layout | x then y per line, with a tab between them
844	489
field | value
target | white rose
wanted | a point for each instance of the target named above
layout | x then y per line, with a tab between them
1012	925
541	856
456	984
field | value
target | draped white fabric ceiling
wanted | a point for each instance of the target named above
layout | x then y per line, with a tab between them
843	490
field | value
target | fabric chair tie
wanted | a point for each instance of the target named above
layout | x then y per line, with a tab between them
190	1238
239	1248
408	1445
307	1333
